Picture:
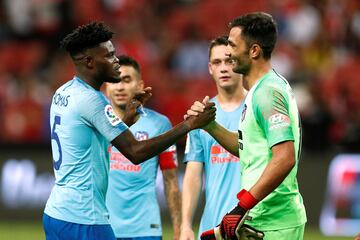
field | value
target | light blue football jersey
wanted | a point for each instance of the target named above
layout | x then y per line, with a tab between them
131	197
222	169
82	126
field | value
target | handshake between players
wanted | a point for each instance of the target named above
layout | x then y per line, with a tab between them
232	225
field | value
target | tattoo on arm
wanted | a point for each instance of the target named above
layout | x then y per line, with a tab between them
173	199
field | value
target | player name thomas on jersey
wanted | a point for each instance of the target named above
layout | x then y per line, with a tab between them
61	100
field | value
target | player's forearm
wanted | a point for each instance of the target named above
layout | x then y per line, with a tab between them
139	151
190	198
276	171
173	199
226	138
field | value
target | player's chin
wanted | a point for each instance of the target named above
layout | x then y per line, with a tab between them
226	85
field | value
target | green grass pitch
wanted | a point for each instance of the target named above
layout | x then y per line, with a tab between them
33	231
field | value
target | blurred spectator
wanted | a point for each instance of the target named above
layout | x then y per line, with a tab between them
318	51
191	57
303	22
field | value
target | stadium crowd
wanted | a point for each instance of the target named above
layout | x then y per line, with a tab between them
318	51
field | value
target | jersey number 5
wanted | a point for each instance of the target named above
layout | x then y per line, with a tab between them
55	137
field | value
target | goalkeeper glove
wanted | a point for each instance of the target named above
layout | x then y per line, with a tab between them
233	220
245	232
212	234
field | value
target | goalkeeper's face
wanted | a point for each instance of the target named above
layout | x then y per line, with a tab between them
122	92
239	51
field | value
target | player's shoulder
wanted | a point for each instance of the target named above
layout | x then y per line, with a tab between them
273	81
77	87
86	97
66	86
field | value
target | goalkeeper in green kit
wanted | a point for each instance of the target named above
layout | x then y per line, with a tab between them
268	141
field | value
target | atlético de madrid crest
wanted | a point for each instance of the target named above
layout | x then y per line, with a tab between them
243	113
141	135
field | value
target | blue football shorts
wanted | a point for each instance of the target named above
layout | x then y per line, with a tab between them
141	238
56	229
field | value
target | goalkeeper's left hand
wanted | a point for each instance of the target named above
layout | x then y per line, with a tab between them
245	232
233	220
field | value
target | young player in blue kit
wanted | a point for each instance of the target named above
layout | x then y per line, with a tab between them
131	196
83	124
221	169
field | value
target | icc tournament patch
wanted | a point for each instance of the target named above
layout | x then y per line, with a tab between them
110	114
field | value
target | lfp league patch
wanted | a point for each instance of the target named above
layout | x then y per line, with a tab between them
111	116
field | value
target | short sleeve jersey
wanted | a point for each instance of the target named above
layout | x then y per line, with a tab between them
221	168
82	125
131	197
270	116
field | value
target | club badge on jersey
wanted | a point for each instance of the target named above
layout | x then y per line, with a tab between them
141	135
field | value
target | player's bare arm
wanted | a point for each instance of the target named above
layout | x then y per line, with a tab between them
139	151
190	198
226	138
280	165
173	199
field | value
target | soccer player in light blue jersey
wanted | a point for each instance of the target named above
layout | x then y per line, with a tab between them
204	154
83	124
131	196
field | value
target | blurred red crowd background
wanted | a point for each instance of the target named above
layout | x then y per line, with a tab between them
318	51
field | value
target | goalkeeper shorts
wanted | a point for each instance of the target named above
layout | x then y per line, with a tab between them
56	229
296	233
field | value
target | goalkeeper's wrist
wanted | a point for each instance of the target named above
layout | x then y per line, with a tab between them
246	200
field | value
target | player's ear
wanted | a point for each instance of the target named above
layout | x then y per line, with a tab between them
141	84
210	70
255	51
89	62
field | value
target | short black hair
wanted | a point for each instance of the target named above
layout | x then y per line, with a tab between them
260	28
85	37
219	41
125	60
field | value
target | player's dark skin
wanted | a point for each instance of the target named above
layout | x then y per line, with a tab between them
98	65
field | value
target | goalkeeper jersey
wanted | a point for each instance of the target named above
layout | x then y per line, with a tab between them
131	197
270	117
221	169
82	125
